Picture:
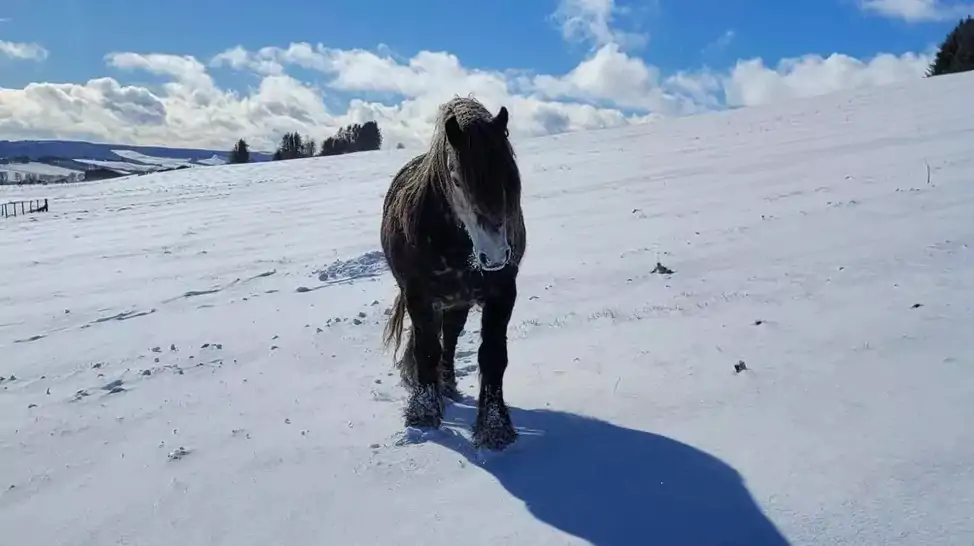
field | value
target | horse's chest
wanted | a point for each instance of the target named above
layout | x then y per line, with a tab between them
456	287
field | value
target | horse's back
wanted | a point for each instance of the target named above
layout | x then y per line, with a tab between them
405	175
396	211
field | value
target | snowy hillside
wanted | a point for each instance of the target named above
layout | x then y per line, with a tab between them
193	357
36	149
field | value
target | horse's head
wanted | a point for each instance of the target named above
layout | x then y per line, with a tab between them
486	185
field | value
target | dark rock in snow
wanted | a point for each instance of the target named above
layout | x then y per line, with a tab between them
662	269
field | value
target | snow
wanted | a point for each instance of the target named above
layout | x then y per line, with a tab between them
214	160
196	354
41	169
120	165
166	162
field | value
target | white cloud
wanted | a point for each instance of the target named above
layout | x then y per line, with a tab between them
914	11
415	88
22	51
611	76
750	82
610	87
591	21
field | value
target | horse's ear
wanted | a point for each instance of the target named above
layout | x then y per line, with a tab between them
453	133
500	120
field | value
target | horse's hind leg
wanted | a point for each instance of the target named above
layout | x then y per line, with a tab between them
408	368
453	322
424	408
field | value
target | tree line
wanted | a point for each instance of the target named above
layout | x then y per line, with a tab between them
348	139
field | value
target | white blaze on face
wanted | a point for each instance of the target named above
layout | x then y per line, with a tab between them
490	247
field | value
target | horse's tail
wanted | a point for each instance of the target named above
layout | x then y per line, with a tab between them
393	333
393	330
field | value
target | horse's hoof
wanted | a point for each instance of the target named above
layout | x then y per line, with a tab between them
494	429
495	439
424	408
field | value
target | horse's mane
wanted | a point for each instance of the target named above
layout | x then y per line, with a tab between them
430	171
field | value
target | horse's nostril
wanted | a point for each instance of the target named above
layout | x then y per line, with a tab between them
483	258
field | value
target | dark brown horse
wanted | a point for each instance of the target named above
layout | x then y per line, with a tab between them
453	235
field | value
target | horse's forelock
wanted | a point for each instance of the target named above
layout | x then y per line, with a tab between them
485	158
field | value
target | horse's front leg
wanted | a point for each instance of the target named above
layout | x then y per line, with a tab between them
424	408
494	429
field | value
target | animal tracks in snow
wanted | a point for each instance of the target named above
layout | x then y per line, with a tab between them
125	315
206	292
368	265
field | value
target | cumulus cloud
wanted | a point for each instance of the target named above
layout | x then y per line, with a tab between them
611	76
414	88
23	51
914	11
592	21
609	87
750	82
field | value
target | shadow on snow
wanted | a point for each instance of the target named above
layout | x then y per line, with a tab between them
611	485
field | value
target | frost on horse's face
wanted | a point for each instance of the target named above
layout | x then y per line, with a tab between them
485	184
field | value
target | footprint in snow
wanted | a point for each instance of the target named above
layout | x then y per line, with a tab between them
178	453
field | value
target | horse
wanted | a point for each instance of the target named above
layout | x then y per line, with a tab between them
453	235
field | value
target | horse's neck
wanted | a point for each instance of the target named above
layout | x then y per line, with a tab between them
441	225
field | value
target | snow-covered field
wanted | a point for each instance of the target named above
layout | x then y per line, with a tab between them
193	357
166	162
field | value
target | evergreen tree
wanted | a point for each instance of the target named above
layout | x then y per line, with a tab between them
309	147
369	137
240	152
353	138
291	147
329	146
956	53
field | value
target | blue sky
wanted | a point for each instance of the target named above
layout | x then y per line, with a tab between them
708	38
500	34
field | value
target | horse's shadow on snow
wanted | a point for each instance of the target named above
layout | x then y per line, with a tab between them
610	485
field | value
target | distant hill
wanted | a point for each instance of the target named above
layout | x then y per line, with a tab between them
37	149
